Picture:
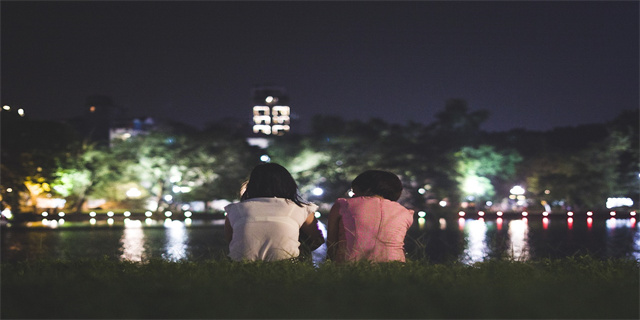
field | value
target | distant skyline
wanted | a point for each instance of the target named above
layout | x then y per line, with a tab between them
533	65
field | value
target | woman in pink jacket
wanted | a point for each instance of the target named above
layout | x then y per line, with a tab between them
371	225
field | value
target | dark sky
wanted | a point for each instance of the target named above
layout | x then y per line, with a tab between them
533	65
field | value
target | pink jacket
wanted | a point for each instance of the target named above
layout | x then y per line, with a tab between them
374	228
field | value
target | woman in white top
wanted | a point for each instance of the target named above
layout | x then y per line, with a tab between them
266	223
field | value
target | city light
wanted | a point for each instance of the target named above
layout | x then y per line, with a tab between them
168	214
499	213
422	214
589	213
45	214
317	215
127	213
443	203
570	213
619	202
481	213
461	213
110	214
92	214
524	213
317	191
545	214
148	214
133	193
517	190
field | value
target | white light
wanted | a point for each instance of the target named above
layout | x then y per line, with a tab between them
44	214
110	221
7	213
517	190
21	112
269	99
350	193
443	203
499	213
524	213
92	214
632	213
185	189
92	221
422	214
168	213
545	214
317	215
168	197
570	213
127	213
61	214
612	213
176	189
110	214
7	108
9	189
619	202
422	191
589	213
317	191
461	213
265	158
187	214
481	213
148	214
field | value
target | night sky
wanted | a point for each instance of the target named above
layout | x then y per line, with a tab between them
533	65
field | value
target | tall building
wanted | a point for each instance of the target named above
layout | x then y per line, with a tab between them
271	112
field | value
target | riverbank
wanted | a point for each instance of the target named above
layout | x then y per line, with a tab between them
575	287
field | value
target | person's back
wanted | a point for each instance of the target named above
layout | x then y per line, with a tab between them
374	228
266	228
371	225
266	223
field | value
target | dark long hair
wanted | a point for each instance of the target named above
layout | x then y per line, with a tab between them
270	180
378	183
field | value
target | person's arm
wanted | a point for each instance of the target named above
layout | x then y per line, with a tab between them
228	231
314	237
333	231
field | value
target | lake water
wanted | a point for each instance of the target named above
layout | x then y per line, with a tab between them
438	240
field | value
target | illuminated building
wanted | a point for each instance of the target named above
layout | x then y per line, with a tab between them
271	112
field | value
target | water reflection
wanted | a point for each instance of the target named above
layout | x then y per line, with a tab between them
132	241
176	248
476	241
518	239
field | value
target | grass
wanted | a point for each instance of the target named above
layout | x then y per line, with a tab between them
578	287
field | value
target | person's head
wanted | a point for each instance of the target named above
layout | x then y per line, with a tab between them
377	183
271	180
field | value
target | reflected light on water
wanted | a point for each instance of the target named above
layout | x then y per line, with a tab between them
476	241
176	248
570	223
545	223
499	223
132	241
589	223
320	254
421	223
443	223
518	236
461	223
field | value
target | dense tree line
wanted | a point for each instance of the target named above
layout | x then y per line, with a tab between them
450	162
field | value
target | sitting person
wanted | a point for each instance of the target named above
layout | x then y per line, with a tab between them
371	225
266	223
